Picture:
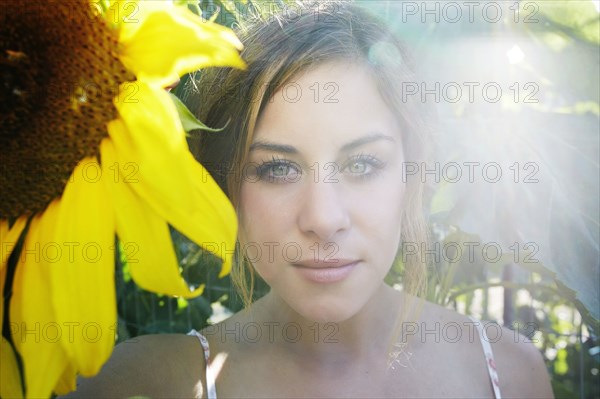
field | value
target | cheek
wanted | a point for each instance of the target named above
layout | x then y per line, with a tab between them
251	211
382	202
381	216
260	230
267	212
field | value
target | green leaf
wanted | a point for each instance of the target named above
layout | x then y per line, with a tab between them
578	18
188	120
580	300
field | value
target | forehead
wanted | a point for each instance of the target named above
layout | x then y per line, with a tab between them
327	105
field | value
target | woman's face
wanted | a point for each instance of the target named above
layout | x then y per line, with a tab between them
321	198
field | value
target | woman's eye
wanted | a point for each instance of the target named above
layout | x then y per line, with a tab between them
363	166
357	167
279	172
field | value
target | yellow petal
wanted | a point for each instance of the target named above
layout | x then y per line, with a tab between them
10	379
34	331
8	240
150	138
127	15
67	381
145	237
172	41
83	286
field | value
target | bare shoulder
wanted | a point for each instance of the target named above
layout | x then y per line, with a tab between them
165	365
521	368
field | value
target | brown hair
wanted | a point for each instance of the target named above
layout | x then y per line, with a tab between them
276	49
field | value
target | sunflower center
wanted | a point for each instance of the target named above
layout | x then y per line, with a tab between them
59	71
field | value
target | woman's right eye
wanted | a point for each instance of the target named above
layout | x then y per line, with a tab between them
279	171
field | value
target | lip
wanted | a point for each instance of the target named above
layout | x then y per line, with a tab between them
326	271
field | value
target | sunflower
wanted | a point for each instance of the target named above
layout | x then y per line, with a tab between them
91	146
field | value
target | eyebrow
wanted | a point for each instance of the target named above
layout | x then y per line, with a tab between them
365	140
288	149
269	146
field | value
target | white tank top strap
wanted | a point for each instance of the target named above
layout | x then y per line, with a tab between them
211	389
489	358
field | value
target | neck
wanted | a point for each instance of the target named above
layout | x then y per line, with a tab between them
367	334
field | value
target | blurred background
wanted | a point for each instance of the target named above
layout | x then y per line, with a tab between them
512	190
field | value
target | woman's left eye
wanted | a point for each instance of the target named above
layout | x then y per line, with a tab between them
363	166
358	167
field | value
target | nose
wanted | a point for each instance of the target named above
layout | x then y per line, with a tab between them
322	212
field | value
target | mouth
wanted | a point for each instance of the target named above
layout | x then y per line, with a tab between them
326	271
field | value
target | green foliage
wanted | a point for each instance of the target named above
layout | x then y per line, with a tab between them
571	20
142	312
